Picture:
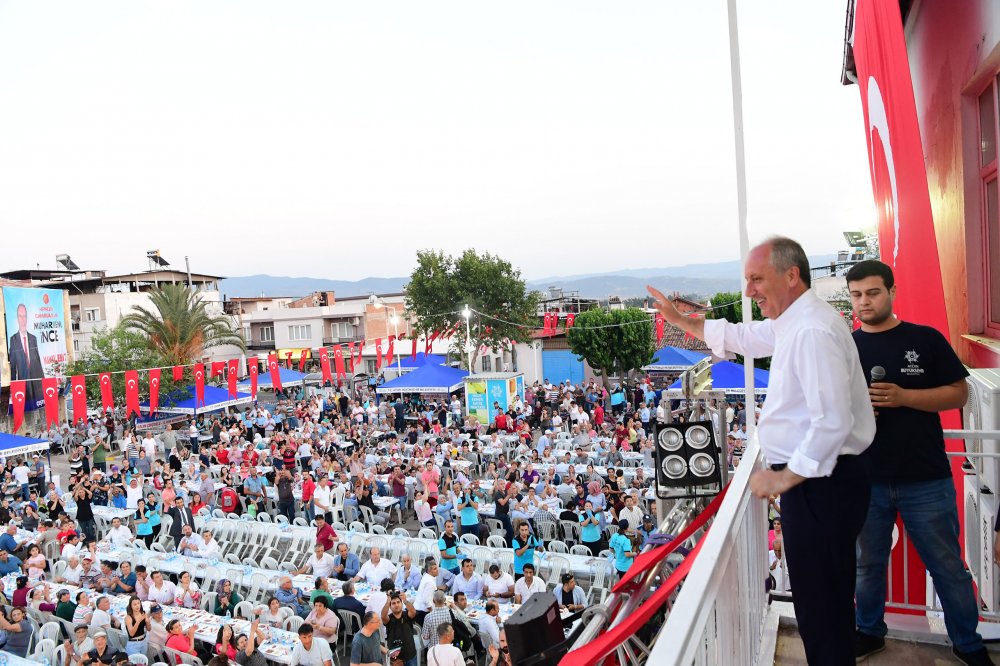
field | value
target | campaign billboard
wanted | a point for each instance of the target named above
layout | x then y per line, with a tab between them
36	338
476	402
4	367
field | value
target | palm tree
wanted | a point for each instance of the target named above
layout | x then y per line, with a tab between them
181	329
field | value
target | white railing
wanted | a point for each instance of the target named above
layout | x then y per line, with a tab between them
718	617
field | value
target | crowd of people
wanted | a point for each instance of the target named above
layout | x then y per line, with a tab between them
323	458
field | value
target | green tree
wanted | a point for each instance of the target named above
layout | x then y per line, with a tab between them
114	350
441	286
728	305
181	328
613	342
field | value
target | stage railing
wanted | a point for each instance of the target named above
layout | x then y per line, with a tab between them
718	616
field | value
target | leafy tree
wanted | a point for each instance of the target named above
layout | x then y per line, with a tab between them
181	329
118	349
441	286
732	311
613	342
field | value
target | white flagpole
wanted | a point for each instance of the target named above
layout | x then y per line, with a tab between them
741	199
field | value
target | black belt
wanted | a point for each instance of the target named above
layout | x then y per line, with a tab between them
777	467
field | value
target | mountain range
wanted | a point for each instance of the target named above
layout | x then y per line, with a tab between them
703	279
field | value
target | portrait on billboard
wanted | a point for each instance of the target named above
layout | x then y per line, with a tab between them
36	346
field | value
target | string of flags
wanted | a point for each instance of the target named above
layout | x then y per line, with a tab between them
343	363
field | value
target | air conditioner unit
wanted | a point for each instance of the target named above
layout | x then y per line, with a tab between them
982	412
355	321
980	517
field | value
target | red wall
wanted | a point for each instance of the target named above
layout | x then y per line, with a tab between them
953	47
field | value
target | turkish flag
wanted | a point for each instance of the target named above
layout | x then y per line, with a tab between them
350	354
18	389
302	359
154	390
361	352
217	368
434	335
233	375
546	323
107	400
199	384
338	360
272	365
570	318
324	364
427	344
131	392
79	386
253	378
50	391
391	351
178	373
660	322
378	354
413	354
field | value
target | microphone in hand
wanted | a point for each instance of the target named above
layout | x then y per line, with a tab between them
877	374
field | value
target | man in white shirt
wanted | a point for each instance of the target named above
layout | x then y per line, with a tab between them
498	585
319	564
102	614
311	651
375	570
819	419
444	653
71	574
631	513
488	623
149	445
190	542
119	535
209	548
426	589
527	584
162	591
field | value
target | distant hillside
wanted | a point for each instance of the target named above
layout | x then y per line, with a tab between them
271	285
621	285
705	279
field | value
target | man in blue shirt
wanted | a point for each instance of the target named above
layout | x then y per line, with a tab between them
448	545
8	563
348	602
525	545
468	508
8	541
345	563
291	597
622	546
468	582
253	488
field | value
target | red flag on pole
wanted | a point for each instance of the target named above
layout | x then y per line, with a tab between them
18	390
660	322
413	354
324	364
338	361
570	318
233	375
131	393
546	323
288	360
79	385
50	391
253	378
427	344
178	373
361	353
378	354
107	400
302	359
217	367
154	390
272	365
350	354
391	351
199	384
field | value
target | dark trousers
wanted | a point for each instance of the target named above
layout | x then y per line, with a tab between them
287	509
822	518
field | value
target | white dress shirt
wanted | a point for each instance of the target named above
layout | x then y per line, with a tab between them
374	574
322	566
521	588
208	550
119	536
817	397
425	593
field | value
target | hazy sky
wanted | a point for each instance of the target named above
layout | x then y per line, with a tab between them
333	139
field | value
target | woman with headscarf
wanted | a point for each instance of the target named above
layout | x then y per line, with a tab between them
226	598
597	499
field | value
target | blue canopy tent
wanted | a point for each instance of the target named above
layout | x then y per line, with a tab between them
288	378
427	379
674	359
728	376
410	363
15	445
182	401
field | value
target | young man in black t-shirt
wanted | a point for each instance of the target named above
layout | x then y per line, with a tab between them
920	376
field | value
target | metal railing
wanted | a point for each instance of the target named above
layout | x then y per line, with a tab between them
718	617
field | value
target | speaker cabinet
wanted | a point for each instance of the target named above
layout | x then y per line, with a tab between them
687	456
535	633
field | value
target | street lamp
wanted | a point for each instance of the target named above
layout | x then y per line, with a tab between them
467	313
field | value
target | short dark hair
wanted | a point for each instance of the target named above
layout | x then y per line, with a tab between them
466	560
369	616
305	629
529	565
494	568
444	629
321	600
871	268
387	584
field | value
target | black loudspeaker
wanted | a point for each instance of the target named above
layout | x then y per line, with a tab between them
687	456
535	633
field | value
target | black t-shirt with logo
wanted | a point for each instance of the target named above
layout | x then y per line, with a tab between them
909	443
